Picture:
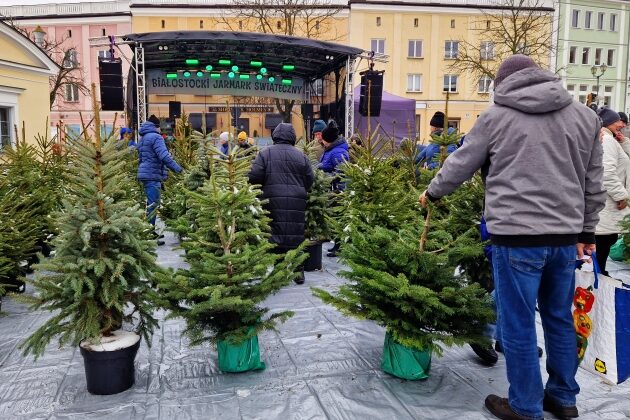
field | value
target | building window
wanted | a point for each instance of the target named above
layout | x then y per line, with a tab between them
613	22
318	87
484	84
103	32
317	25
279	24
611	58
582	99
583	88
69	33
163	24
452	23
600	21
106	54
201	24
598	56
415	48
414	83
378	46
450	83
72	93
608	95
487	24
378	21
240	24
487	50
522	48
572	54
570	88
451	49
5	124
587	19
585	53
416	22
575	19
70	60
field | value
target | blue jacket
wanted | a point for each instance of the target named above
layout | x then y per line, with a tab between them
153	156
432	150
225	148
335	154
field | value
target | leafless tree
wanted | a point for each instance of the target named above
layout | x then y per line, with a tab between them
509	27
70	70
304	18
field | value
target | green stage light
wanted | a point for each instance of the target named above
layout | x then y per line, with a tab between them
209	67
225	62
243	76
286	81
231	75
263	70
259	77
234	69
171	75
186	74
272	79
215	75
288	67
192	61
255	63
199	74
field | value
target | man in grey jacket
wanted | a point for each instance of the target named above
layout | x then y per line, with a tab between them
541	158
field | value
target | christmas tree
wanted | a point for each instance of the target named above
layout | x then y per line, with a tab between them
232	266
99	277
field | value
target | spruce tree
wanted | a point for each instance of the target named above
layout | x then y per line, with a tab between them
100	275
232	266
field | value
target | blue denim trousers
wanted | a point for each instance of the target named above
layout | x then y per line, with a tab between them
523	275
152	190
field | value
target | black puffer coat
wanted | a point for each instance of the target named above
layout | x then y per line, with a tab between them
286	175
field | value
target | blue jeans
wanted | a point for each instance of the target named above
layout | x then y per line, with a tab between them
523	275
152	190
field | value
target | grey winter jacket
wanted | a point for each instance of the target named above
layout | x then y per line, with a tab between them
542	163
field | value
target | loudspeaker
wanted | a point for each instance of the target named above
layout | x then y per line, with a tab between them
307	111
111	84
174	109
372	88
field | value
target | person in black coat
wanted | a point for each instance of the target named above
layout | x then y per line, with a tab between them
285	174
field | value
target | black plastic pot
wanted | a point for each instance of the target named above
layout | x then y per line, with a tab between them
109	372
314	260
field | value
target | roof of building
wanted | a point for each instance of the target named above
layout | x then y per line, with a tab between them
47	65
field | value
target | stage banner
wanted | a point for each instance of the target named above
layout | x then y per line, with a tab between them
158	84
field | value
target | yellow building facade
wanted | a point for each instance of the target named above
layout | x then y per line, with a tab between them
418	71
24	74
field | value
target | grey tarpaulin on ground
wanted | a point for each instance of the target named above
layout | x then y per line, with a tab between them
320	364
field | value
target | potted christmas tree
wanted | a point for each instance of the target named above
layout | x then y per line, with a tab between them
402	273
318	209
98	281
232	266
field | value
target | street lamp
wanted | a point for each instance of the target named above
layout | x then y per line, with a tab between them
598	71
39	34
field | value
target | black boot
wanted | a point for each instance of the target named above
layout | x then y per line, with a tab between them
487	354
300	279
333	251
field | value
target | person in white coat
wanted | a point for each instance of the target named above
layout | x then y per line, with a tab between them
616	182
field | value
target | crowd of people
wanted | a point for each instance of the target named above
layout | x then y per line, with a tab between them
557	179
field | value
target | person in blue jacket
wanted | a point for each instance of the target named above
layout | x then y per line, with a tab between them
224	139
153	161
126	136
335	153
427	158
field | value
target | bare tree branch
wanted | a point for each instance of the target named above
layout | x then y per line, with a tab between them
515	27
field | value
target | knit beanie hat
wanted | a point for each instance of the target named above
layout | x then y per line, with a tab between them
225	136
318	126
330	133
437	120
608	116
155	120
623	117
511	65
242	136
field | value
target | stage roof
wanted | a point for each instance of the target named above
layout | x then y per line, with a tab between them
312	59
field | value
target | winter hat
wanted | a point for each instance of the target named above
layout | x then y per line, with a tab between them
319	126
437	120
608	116
511	65
125	130
155	120
225	136
623	117
242	136
330	133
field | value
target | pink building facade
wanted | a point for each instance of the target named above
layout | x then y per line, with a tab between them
77	26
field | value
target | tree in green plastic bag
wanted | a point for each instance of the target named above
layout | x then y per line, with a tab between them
232	266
